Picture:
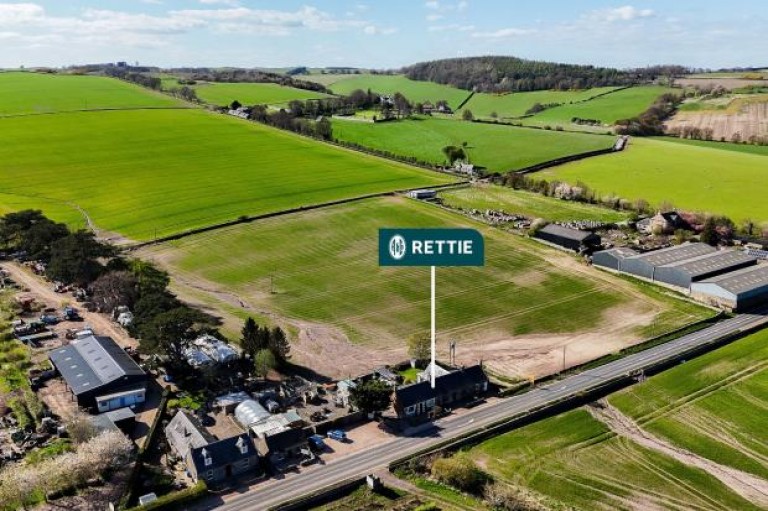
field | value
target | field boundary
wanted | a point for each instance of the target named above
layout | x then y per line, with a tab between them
102	109
565	159
466	100
252	218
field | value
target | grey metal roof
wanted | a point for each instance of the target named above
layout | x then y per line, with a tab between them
565	232
742	281
674	254
120	414
620	252
708	263
92	362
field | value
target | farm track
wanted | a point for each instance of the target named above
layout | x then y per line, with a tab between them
752	488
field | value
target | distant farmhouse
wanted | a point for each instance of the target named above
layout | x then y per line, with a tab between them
100	374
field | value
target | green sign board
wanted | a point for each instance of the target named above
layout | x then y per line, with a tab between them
431	247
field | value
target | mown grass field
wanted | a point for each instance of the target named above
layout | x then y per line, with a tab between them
722	146
714	405
690	176
252	93
497	147
517	103
37	93
610	108
575	461
415	91
155	172
325	269
527	203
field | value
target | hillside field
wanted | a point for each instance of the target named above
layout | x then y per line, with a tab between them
610	108
533	205
324	268
517	103
497	147
690	176
156	172
722	146
252	93
38	93
415	91
713	405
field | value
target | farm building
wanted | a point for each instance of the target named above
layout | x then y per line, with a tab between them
250	412
683	273
100	374
422	194
645	265
736	290
420	400
204	456
612	258
565	237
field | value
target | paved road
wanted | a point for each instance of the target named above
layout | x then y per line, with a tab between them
365	462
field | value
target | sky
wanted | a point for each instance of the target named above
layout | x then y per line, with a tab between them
384	34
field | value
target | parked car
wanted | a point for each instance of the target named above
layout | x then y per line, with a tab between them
316	443
338	435
49	319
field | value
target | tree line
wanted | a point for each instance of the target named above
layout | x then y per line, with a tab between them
651	121
248	76
511	74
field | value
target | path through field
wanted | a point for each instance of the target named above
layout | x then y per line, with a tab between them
751	487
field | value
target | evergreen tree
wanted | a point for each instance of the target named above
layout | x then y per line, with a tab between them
709	232
250	337
279	345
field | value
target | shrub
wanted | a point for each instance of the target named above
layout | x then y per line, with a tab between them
510	498
461	473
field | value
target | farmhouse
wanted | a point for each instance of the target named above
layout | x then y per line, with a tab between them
565	237
100	374
663	223
737	290
204	456
420	400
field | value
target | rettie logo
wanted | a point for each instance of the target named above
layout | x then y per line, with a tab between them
397	247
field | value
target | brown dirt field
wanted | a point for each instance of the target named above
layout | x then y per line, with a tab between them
752	488
727	83
750	120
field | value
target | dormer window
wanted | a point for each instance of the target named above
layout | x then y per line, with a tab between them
242	445
207	460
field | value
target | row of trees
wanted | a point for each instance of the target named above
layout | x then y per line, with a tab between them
143	79
293	119
651	122
267	348
511	74
249	76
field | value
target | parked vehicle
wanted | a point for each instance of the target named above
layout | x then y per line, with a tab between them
49	319
316	443
338	435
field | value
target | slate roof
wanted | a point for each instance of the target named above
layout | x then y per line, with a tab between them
284	440
93	362
567	233
223	452
420	392
185	433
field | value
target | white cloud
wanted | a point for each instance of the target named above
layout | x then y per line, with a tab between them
461	6
432	4
504	33
231	3
624	13
454	27
374	30
434	17
152	2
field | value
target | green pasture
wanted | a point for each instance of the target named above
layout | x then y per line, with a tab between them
497	147
694	177
38	93
723	146
155	172
515	104
714	405
415	91
575	461
324	268
610	108
525	203
252	93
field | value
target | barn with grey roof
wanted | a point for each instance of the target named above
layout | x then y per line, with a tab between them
738	290
100	374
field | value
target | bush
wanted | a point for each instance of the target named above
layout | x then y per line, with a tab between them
429	506
509	498
461	473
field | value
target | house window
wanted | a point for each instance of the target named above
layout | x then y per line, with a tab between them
410	410
209	474
208	462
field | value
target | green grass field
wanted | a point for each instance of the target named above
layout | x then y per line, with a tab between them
526	203
690	176
610	108
415	91
516	104
325	270
36	93
713	405
142	173
575	461
497	147
723	146
252	93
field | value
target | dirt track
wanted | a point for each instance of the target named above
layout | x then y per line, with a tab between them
752	488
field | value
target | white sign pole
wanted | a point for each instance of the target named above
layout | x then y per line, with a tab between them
432	300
